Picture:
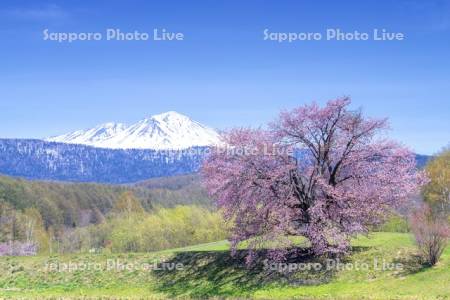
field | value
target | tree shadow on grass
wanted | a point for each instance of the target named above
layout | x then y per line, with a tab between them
357	249
412	263
218	273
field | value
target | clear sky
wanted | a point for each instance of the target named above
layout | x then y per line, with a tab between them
223	73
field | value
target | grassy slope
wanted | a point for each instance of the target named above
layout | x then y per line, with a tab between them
413	282
209	271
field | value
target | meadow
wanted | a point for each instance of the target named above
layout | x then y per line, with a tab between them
385	266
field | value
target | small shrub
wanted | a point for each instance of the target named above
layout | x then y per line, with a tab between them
431	233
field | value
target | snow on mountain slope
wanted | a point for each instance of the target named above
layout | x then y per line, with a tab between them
90	136
169	130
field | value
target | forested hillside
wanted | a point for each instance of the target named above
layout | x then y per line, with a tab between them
64	203
80	204
37	159
41	160
67	217
174	190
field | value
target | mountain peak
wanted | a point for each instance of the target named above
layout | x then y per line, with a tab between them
168	130
169	114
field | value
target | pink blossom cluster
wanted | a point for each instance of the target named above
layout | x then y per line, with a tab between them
17	248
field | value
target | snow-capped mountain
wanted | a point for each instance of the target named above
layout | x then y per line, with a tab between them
169	130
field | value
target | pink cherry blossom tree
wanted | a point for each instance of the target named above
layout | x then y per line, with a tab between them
324	173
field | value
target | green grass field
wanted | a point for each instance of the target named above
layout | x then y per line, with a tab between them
210	272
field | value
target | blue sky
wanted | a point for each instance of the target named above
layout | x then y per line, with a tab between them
223	73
